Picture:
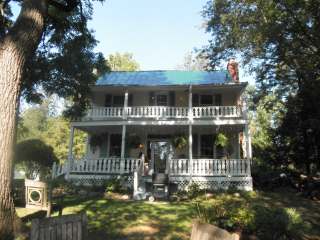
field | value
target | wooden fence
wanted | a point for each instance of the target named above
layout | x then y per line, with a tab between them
68	227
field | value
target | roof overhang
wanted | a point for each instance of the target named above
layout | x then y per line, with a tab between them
236	86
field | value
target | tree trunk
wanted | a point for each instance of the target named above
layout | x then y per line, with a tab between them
16	47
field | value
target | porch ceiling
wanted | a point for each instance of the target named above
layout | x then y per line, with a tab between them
162	129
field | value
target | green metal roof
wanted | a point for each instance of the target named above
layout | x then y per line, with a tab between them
164	78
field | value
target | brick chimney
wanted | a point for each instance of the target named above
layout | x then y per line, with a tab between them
233	69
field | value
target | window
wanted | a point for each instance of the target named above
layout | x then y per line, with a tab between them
115	145
162	100
206	100
218	100
118	101
206	146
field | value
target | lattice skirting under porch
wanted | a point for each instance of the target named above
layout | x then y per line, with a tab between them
214	183
182	182
89	180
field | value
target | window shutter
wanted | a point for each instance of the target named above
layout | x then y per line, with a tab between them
218	100
130	100
151	99
195	100
108	100
172	98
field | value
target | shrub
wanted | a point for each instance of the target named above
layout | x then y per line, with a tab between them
266	223
35	158
193	190
116	185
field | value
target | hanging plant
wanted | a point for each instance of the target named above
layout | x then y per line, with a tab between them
180	142
134	141
221	140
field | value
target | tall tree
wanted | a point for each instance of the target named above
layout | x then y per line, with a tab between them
48	45
122	62
193	62
280	42
36	122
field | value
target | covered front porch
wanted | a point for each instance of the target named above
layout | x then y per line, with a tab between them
184	154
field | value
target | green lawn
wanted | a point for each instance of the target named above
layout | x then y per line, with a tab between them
121	219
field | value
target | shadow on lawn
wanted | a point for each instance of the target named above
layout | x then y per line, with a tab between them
126	220
110	219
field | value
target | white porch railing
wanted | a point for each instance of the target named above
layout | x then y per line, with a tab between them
164	112
58	170
177	167
157	112
216	111
101	165
106	165
105	112
210	167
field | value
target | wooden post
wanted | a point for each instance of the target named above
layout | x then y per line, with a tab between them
70	157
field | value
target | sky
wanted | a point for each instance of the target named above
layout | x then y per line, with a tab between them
158	33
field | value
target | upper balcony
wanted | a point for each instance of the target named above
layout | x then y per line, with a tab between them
157	96
163	112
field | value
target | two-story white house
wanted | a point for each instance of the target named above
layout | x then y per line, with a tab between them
165	122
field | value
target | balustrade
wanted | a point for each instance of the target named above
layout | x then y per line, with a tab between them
159	112
177	167
210	167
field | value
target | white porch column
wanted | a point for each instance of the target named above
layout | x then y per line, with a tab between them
125	105
190	152
70	157
247	136
123	142
190	116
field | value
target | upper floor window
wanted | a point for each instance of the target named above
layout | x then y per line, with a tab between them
206	100
162	100
114	100
118	101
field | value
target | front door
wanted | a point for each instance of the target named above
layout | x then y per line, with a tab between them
160	151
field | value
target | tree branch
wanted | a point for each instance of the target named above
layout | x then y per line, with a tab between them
68	7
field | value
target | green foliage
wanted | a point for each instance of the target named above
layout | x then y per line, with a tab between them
36	122
221	140
122	62
278	41
180	142
193	190
64	61
264	222
35	158
116	185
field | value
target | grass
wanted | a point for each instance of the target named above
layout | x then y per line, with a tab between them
123	219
